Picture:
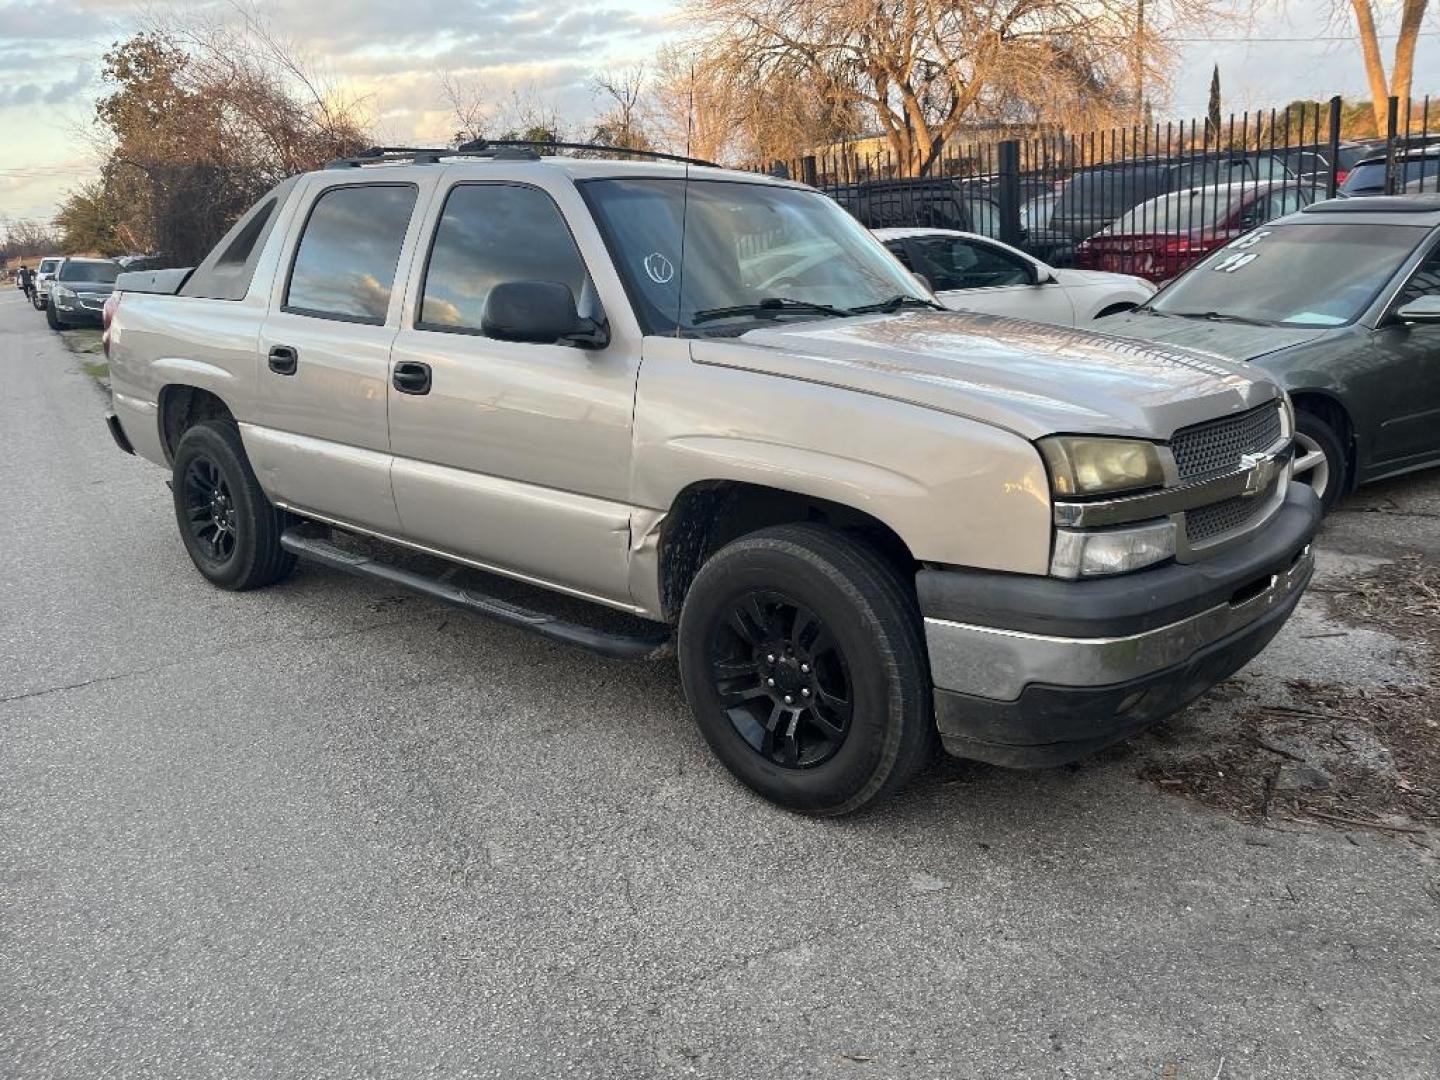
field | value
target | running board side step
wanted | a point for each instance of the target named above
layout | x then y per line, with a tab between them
615	645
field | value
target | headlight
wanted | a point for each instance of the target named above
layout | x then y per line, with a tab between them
1081	465
1111	551
61	293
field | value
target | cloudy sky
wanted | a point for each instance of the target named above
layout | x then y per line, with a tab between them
390	53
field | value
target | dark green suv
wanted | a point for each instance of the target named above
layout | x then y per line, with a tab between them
1341	304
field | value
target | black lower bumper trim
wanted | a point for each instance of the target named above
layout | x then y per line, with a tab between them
1128	603
1051	725
118	433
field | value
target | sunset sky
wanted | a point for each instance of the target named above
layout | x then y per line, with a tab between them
390	53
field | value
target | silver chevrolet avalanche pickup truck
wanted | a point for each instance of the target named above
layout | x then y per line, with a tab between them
713	401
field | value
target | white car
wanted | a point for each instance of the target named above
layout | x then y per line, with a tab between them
974	273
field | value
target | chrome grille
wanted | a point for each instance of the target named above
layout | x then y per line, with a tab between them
1215	447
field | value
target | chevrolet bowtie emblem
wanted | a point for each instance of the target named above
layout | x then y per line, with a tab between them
1259	471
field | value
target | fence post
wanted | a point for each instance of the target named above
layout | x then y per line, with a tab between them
1334	144
1009	191
1392	116
807	170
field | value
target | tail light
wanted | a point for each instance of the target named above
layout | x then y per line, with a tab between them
1176	245
107	316
1340	175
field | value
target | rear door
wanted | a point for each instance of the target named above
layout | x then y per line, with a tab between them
510	454
324	355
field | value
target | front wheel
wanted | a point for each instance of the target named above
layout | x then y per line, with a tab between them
230	529
51	319
37	302
803	660
1320	459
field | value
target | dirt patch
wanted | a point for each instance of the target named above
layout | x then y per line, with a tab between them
1347	756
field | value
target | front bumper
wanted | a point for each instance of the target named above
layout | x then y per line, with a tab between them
1034	671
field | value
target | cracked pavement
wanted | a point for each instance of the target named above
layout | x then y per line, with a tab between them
323	830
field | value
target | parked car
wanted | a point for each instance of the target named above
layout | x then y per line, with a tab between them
79	290
1340	303
1159	239
44	272
940	202
973	273
1095	197
860	517
1415	169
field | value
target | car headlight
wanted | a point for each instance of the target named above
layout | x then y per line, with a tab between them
1111	551
1085	465
62	295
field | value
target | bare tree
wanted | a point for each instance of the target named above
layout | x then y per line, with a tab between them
619	124
1402	74
469	103
920	70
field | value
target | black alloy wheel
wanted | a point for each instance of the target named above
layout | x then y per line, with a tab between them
782	679
210	510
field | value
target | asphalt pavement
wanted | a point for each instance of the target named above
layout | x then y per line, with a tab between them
324	830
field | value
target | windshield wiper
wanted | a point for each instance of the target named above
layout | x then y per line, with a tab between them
769	307
895	303
1218	316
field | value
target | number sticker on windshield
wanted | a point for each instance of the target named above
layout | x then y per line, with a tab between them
1231	263
1249	240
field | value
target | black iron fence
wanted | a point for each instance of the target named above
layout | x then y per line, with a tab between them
1144	200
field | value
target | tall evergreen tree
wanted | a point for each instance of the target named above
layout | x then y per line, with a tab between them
1212	116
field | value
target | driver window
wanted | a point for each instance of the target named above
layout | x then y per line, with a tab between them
955	263
490	234
1424	282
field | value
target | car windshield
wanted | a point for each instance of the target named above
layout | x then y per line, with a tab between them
47	266
1371	175
1181	211
1321	274
103	272
750	254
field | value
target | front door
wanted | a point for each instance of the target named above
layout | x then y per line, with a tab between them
512	455
970	275
325	355
1402	377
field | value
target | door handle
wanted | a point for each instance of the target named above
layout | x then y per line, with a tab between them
284	360
411	377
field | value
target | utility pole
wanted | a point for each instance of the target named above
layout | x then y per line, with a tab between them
1140	63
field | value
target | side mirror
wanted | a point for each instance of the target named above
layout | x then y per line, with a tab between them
541	313
1423	309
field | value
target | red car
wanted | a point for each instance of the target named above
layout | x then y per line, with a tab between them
1163	237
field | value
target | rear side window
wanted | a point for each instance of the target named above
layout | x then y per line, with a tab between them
345	264
490	234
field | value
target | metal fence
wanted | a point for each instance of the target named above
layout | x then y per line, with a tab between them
1142	200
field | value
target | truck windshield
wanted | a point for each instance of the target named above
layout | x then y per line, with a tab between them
750	254
1293	275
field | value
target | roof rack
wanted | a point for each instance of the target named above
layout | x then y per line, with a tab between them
499	149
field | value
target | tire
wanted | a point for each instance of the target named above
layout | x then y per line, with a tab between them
870	727
1320	459
228	526
38	302
51	320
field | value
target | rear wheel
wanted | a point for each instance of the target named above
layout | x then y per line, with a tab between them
1320	459
230	529
803	661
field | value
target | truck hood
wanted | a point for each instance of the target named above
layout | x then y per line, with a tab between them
1236	341
1030	378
